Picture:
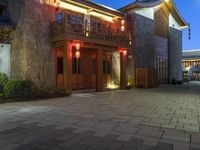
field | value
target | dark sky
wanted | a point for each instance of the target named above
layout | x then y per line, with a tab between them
189	9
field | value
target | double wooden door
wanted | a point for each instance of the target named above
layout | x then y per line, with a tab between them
84	70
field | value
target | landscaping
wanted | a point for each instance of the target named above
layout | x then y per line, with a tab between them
23	90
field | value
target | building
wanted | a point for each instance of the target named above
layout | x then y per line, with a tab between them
79	44
191	64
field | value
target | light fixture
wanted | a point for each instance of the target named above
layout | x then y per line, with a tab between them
122	22
166	1
124	52
78	54
122	28
78	46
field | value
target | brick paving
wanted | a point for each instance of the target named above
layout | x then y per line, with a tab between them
140	119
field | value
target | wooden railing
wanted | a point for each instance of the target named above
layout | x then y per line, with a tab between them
79	28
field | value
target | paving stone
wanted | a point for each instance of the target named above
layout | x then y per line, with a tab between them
146	147
195	138
151	141
181	146
177	137
125	120
125	137
164	146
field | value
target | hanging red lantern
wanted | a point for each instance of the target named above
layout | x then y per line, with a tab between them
124	52
78	54
122	28
78	46
122	22
57	5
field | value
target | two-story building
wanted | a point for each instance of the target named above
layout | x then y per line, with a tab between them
79	44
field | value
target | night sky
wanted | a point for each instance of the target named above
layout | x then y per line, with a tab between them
189	9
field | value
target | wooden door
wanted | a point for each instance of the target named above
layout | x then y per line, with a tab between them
86	76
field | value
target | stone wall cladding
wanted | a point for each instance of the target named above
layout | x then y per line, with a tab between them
175	54
143	44
32	53
161	46
16	9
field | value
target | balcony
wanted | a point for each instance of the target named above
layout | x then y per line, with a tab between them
74	30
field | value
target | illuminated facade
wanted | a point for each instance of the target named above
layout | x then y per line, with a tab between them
79	44
191	65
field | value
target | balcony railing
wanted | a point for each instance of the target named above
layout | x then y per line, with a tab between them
89	31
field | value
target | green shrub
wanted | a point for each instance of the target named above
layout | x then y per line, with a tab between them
18	89
48	92
3	80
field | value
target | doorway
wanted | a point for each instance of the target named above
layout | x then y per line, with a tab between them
84	69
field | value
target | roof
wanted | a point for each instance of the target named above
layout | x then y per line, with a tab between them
188	54
152	3
97	7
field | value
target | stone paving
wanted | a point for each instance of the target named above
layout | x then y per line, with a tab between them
140	119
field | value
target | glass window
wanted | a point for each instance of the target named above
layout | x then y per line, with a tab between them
2	8
104	66
74	65
59	16
60	65
93	66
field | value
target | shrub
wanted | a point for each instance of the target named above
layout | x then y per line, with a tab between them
48	92
18	89
3	80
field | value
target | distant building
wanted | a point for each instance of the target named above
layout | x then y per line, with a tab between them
80	44
191	64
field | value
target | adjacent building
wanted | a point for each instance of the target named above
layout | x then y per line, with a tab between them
191	64
79	44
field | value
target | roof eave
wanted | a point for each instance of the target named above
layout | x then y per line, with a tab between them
171	6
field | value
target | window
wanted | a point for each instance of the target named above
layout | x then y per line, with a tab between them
106	67
74	66
2	8
75	21
60	65
59	16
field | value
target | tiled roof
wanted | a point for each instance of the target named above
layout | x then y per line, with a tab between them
191	54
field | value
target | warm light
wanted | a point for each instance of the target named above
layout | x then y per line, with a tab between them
57	2
102	16
78	46
78	54
73	7
122	28
122	22
87	34
85	11
112	86
166	1
124	52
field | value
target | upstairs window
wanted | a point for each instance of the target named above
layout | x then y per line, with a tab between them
2	9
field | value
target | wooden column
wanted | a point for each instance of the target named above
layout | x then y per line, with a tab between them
67	65
99	63
123	63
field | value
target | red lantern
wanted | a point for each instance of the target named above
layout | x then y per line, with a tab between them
124	52
122	22
122	28
78	54
78	46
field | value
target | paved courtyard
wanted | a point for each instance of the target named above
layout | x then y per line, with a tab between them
140	119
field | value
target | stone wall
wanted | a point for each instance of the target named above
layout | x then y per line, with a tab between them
16	9
143	44
141	54
32	53
175	54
